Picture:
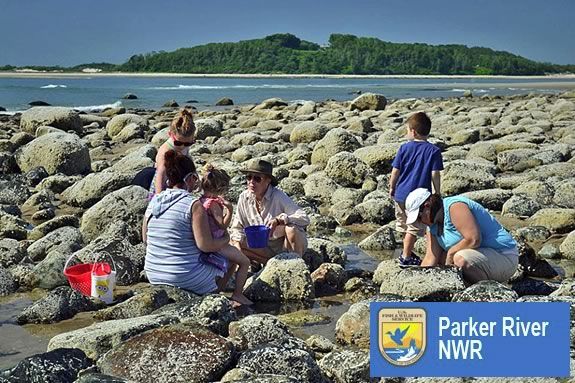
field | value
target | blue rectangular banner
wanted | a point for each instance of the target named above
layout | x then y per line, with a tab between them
469	339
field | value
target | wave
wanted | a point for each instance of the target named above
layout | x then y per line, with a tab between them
263	86
97	108
11	112
52	86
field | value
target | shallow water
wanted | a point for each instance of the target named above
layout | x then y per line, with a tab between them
19	342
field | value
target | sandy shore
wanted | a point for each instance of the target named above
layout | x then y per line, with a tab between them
227	75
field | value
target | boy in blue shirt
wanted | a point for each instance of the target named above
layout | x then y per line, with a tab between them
416	165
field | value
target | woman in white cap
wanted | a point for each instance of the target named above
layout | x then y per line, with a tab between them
264	204
463	233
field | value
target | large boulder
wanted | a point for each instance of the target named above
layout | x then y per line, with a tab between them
492	199
352	328
308	131
208	127
126	126
424	283
486	291
320	187
323	251
135	161
382	239
279	360
565	194
369	101
346	366
567	247
171	354
556	220
464	176
60	303
335	141
346	169
95	340
258	329
14	190
127	204
378	157
94	187
10	252
62	118
57	153
328	279
7	283
12	227
65	239
57	366
285	277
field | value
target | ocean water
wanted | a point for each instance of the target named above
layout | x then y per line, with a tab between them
93	93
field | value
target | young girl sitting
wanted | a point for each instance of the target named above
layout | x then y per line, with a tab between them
181	136
215	183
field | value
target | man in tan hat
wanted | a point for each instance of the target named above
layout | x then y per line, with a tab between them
264	204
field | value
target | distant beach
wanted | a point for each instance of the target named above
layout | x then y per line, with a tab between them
262	75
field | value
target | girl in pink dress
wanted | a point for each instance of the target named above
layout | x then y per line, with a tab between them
215	183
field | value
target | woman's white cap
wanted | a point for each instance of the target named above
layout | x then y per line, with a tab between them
413	202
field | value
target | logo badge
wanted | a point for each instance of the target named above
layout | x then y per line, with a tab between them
402	335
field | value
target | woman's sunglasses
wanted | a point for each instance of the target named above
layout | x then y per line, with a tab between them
256	179
182	143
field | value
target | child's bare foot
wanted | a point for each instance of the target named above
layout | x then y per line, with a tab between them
241	299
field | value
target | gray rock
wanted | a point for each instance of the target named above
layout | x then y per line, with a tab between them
135	161
320	187
225	101
323	251
12	227
124	127
56	366
308	131
346	169
565	194
424	284
10	252
346	366
532	233
62	118
520	206
492	199
567	247
517	159
59	304
258	329
378	157
369	101
281	361
208	127
352	328
127	204
7	283
556	220
486	291
94	187
51	225
129	96
212	311
335	141
321	225
14	190
549	251
379	210
65	239
270	103
175	353
320	344
463	176
285	277
171	104
36	175
57	153
382	239
57	183
47	274
529	286
141	304
95	340
328	279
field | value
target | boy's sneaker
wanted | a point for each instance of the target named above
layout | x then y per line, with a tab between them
412	260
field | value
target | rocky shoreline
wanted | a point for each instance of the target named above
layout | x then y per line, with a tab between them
65	180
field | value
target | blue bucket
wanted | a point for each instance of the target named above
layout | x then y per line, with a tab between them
257	236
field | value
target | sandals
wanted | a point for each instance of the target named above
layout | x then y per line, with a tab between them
412	260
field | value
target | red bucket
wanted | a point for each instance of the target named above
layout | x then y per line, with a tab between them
80	276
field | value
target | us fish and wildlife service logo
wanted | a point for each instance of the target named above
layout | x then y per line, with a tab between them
402	335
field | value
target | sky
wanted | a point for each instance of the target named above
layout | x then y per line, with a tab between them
71	32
